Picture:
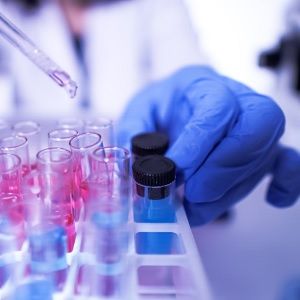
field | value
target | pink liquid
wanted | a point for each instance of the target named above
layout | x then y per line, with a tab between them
25	170
64	217
69	226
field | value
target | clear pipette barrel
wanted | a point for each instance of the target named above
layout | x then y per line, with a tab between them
18	39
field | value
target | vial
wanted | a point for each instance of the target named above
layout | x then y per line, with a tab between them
154	189
149	143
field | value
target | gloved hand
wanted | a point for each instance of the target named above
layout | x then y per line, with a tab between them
224	139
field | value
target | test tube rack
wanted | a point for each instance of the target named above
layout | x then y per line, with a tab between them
149	276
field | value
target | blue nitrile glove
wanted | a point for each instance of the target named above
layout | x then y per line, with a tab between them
224	139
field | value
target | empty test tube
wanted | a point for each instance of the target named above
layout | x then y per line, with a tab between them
71	123
32	131
17	145
61	137
102	126
4	128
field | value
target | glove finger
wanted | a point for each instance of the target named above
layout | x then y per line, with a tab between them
248	146
284	189
137	118
214	110
202	213
153	107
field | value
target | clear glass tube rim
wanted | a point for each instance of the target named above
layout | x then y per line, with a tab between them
104	159
36	128
83	135
52	137
44	161
15	166
11	137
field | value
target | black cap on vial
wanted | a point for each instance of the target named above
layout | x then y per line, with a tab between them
153	174
154	171
149	143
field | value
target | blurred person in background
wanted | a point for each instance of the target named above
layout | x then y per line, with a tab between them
112	48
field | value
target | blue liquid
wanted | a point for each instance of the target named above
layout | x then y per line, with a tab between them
158	243
48	248
34	290
154	211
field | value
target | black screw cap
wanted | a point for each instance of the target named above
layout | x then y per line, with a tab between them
154	171
149	143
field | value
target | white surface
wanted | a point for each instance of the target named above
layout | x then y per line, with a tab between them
254	255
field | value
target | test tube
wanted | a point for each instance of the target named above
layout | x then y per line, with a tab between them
54	166
5	129
82	145
32	131
12	221
48	249
10	174
154	189
104	127
8	244
149	143
105	243
110	176
61	137
17	145
71	123
107	214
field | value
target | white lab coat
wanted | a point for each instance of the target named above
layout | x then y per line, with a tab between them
126	44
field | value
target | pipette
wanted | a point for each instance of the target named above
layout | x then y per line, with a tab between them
18	39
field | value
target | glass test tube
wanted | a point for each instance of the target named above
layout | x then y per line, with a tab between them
106	244
107	215
5	129
54	166
71	123
10	174
104	127
109	179
8	244
17	145
48	249
32	131
154	189
82	145
61	137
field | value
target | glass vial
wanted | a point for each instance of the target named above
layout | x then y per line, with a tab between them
154	189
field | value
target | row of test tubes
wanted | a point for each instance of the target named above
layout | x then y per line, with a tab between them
71	196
